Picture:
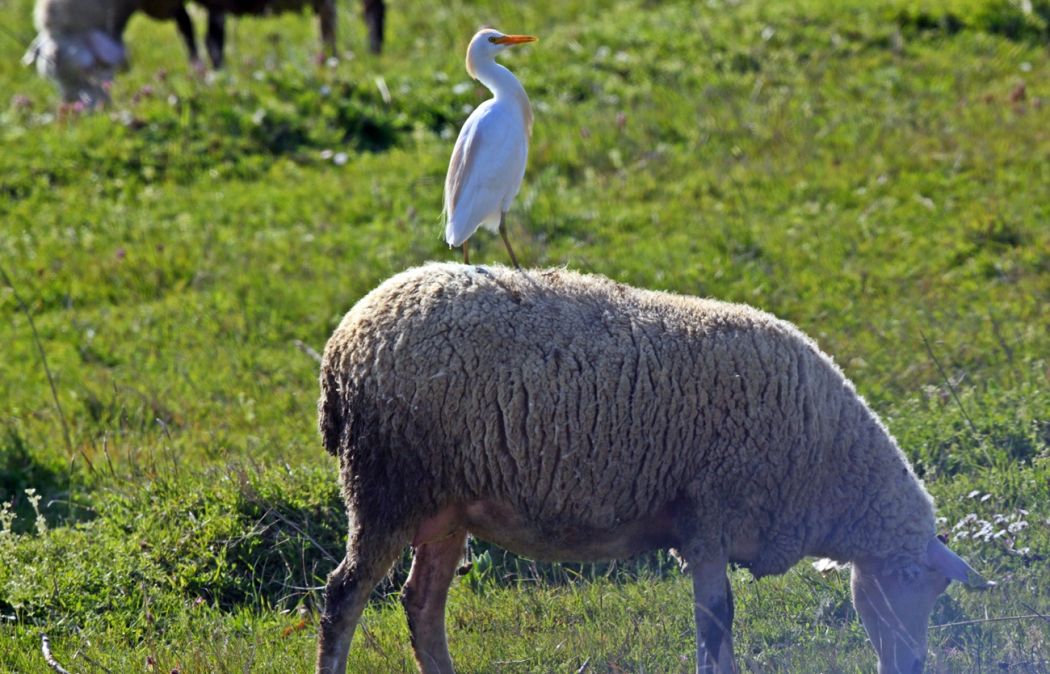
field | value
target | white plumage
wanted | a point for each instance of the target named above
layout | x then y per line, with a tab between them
488	160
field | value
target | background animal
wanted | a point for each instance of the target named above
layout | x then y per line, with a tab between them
567	417
215	40
79	45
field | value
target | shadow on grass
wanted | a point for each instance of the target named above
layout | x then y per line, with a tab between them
21	469
238	537
1018	22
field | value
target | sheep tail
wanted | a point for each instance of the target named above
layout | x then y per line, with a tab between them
331	408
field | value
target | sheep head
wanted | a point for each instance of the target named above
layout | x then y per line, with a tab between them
82	64
894	600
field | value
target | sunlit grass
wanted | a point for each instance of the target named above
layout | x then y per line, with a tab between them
875	172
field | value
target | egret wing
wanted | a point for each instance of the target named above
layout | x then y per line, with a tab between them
461	162
488	163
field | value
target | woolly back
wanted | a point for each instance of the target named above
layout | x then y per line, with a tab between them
63	17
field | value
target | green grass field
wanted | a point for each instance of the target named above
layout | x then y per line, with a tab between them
877	172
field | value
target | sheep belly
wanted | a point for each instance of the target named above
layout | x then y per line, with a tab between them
263	6
563	540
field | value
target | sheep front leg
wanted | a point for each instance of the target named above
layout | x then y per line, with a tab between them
713	605
369	557
185	26
424	597
326	13
375	14
215	40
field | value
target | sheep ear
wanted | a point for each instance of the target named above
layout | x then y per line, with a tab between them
952	565
32	52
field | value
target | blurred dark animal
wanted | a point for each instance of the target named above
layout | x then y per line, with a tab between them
374	13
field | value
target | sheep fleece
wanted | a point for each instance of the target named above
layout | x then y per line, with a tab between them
585	404
67	17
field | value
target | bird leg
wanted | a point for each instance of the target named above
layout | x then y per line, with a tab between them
466	256
503	233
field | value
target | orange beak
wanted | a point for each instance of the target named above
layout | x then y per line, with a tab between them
515	39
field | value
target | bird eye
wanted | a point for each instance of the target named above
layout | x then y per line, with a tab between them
493	39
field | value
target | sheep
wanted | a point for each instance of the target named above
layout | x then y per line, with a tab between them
567	417
374	12
79	45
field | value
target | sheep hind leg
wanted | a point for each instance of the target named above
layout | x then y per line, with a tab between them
424	597
713	604
371	553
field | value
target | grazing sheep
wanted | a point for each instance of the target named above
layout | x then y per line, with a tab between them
374	12
568	417
79	45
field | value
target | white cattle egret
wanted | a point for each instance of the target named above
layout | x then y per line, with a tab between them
488	161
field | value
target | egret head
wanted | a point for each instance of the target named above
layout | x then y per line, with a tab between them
487	43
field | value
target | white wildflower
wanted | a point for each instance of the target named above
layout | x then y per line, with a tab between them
34	500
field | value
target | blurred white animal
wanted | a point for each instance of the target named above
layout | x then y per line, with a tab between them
79	45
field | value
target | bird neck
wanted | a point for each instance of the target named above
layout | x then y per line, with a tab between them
500	81
504	86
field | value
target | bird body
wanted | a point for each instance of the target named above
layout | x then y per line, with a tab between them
488	160
488	164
